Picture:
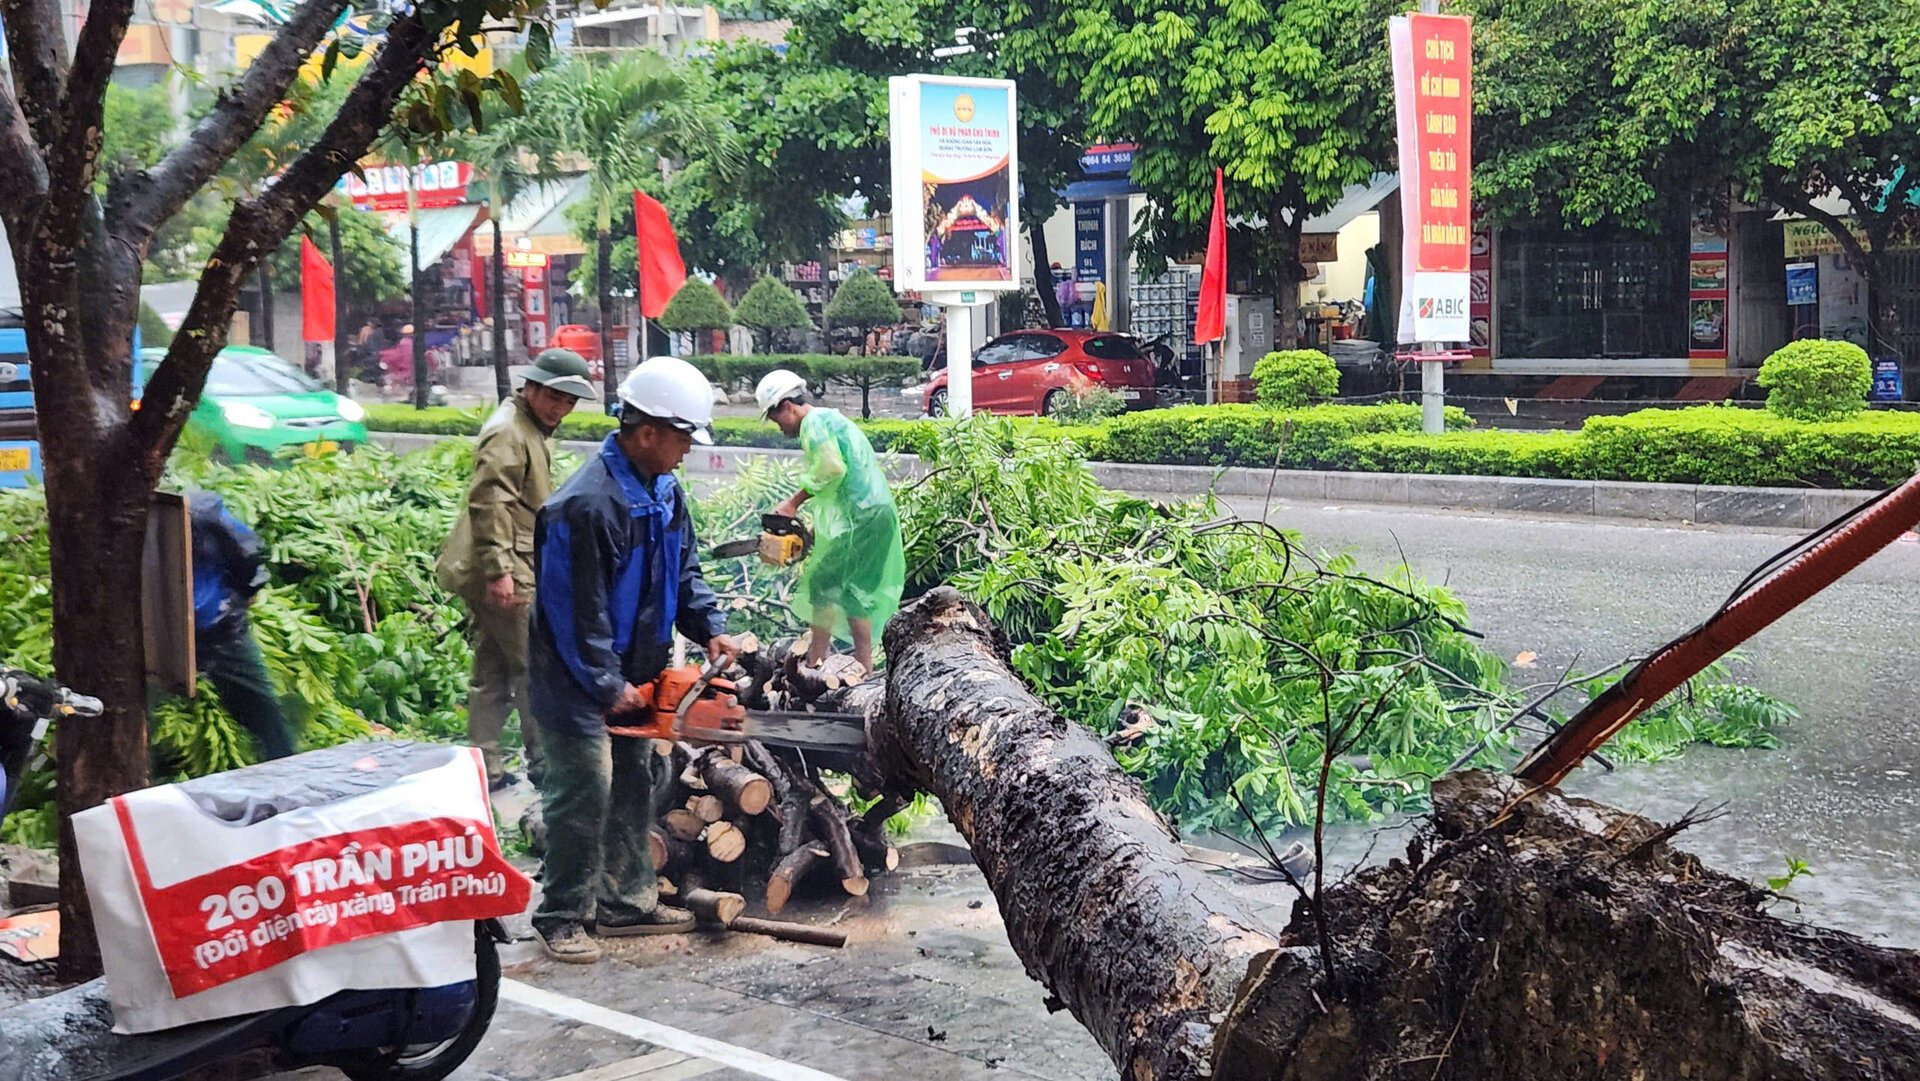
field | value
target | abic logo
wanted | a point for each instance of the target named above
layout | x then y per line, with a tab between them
1442	307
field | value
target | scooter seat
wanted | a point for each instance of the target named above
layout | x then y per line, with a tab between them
70	1036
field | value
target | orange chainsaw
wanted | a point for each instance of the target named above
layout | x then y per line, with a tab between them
694	703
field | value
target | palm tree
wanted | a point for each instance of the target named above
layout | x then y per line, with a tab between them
510	162
624	118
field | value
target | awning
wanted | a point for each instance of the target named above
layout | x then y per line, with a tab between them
538	217
1355	200
440	229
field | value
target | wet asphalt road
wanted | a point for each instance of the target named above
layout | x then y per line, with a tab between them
1843	790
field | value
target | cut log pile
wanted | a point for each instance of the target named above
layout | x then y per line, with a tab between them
758	822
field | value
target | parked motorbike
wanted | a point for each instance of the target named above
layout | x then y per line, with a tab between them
399	1034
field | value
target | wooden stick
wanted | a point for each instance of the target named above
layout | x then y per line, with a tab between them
829	818
790	873
715	906
739	786
790	932
709	808
725	842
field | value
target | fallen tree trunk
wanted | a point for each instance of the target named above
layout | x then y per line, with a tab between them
1526	936
1094	889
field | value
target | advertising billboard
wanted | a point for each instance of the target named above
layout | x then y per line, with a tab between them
956	186
1433	105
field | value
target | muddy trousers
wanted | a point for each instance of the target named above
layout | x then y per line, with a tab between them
597	796
231	661
498	685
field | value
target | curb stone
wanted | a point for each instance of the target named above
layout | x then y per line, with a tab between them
1701	504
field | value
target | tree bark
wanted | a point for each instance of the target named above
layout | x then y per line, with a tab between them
419	316
603	266
342	365
263	334
502	380
1526	935
1043	281
1095	891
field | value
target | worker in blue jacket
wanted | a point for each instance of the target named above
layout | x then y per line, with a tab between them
229	567
615	574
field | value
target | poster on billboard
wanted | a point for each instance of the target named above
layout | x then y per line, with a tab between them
956	184
1433	108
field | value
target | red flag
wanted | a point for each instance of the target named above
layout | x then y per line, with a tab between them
661	271
316	294
1210	320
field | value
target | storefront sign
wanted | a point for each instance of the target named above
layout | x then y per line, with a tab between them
1803	283
521	260
1433	100
953	142
1089	242
1887	383
1110	159
436	184
1319	247
1708	335
1707	273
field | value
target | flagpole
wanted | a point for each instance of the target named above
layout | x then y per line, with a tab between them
1433	373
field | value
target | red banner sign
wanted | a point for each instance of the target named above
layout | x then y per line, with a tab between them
1433	83
252	915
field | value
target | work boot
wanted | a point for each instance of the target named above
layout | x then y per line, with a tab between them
569	943
663	920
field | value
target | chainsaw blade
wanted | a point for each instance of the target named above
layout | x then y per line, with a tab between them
800	730
737	548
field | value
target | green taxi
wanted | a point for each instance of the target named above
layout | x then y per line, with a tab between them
255	404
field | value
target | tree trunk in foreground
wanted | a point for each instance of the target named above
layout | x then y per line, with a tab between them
1097	896
1525	936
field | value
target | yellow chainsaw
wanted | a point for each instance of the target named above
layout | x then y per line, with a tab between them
783	541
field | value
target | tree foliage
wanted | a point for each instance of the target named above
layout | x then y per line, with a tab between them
376	261
769	306
136	130
1287	100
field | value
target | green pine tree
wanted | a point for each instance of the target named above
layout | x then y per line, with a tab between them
697	307
863	301
770	306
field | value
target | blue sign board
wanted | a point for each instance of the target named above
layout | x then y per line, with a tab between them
1803	283
1887	383
1112	159
1089	242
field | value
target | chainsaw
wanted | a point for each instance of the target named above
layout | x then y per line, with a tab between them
696	704
783	540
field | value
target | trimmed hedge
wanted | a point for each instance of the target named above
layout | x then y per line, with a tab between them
1318	437
591	424
1817	380
1703	445
1721	445
1492	453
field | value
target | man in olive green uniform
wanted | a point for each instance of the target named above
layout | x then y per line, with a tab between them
488	560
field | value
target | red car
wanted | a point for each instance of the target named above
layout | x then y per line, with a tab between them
1039	371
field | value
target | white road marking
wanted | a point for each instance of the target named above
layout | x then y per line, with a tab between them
653	1032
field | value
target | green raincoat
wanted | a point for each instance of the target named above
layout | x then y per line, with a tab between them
857	568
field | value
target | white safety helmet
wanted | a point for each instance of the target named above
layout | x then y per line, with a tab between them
672	390
777	386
